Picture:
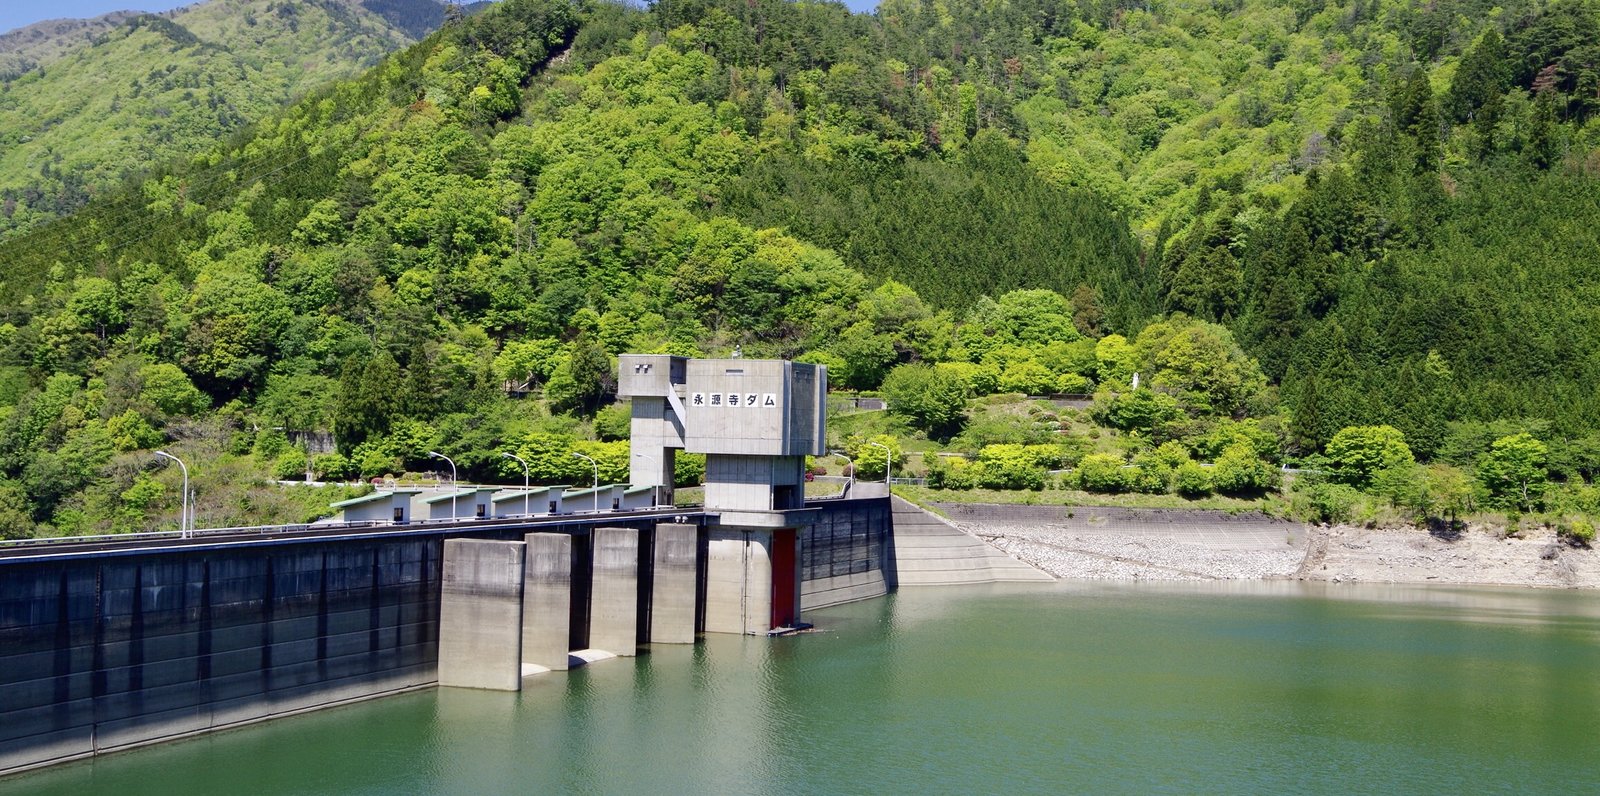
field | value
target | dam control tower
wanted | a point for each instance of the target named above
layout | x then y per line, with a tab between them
756	421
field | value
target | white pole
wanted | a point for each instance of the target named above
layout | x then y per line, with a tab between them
185	518
454	489
596	486
524	480
888	460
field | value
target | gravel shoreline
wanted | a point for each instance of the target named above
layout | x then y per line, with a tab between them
1338	554
1070	554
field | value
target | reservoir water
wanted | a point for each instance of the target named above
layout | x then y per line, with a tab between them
1076	688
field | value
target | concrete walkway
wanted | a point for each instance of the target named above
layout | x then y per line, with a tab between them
931	552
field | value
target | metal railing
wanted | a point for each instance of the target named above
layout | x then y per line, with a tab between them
322	527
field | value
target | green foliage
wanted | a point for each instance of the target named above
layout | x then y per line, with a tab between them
613	422
870	458
158	87
1579	531
1240	471
1191	480
1102	472
1359	453
1377	216
1514	471
927	398
290	464
1140	410
688	469
1324	501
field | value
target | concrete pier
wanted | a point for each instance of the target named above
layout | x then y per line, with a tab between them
738	582
547	600
480	615
672	600
614	596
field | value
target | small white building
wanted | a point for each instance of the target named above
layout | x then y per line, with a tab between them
472	503
606	497
636	498
386	506
538	501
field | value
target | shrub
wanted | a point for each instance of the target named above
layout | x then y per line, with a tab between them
1238	470
332	467
290	464
1191	480
1149	480
1579	532
1324	502
688	469
613	422
1136	410
1101	472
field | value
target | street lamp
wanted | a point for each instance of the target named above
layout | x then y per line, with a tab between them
888	461
524	479
849	462
596	478
184	520
454	489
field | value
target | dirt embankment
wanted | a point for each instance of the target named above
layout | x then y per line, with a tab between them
1125	550
1538	558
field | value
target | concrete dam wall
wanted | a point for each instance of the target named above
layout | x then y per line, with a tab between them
105	652
114	648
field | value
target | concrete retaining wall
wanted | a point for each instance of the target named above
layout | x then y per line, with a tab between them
847	554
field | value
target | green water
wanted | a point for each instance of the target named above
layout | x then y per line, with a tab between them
1254	688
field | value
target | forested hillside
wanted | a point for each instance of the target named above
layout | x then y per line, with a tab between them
76	116
1293	219
42	43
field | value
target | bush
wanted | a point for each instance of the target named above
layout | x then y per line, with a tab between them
1136	410
1239	471
1324	502
1149	480
1101	472
1191	480
291	464
1579	532
332	467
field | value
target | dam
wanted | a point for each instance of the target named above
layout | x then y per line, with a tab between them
110	643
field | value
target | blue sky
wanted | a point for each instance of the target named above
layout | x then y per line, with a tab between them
16	13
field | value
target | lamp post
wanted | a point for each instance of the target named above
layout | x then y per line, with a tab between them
849	462
453	488
184	520
596	478
524	479
888	461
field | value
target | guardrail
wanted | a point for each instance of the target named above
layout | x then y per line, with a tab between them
318	527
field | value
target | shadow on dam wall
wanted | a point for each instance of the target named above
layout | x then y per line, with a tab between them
107	652
116	648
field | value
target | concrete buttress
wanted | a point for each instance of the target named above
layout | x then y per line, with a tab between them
547	600
614	599
673	590
480	615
